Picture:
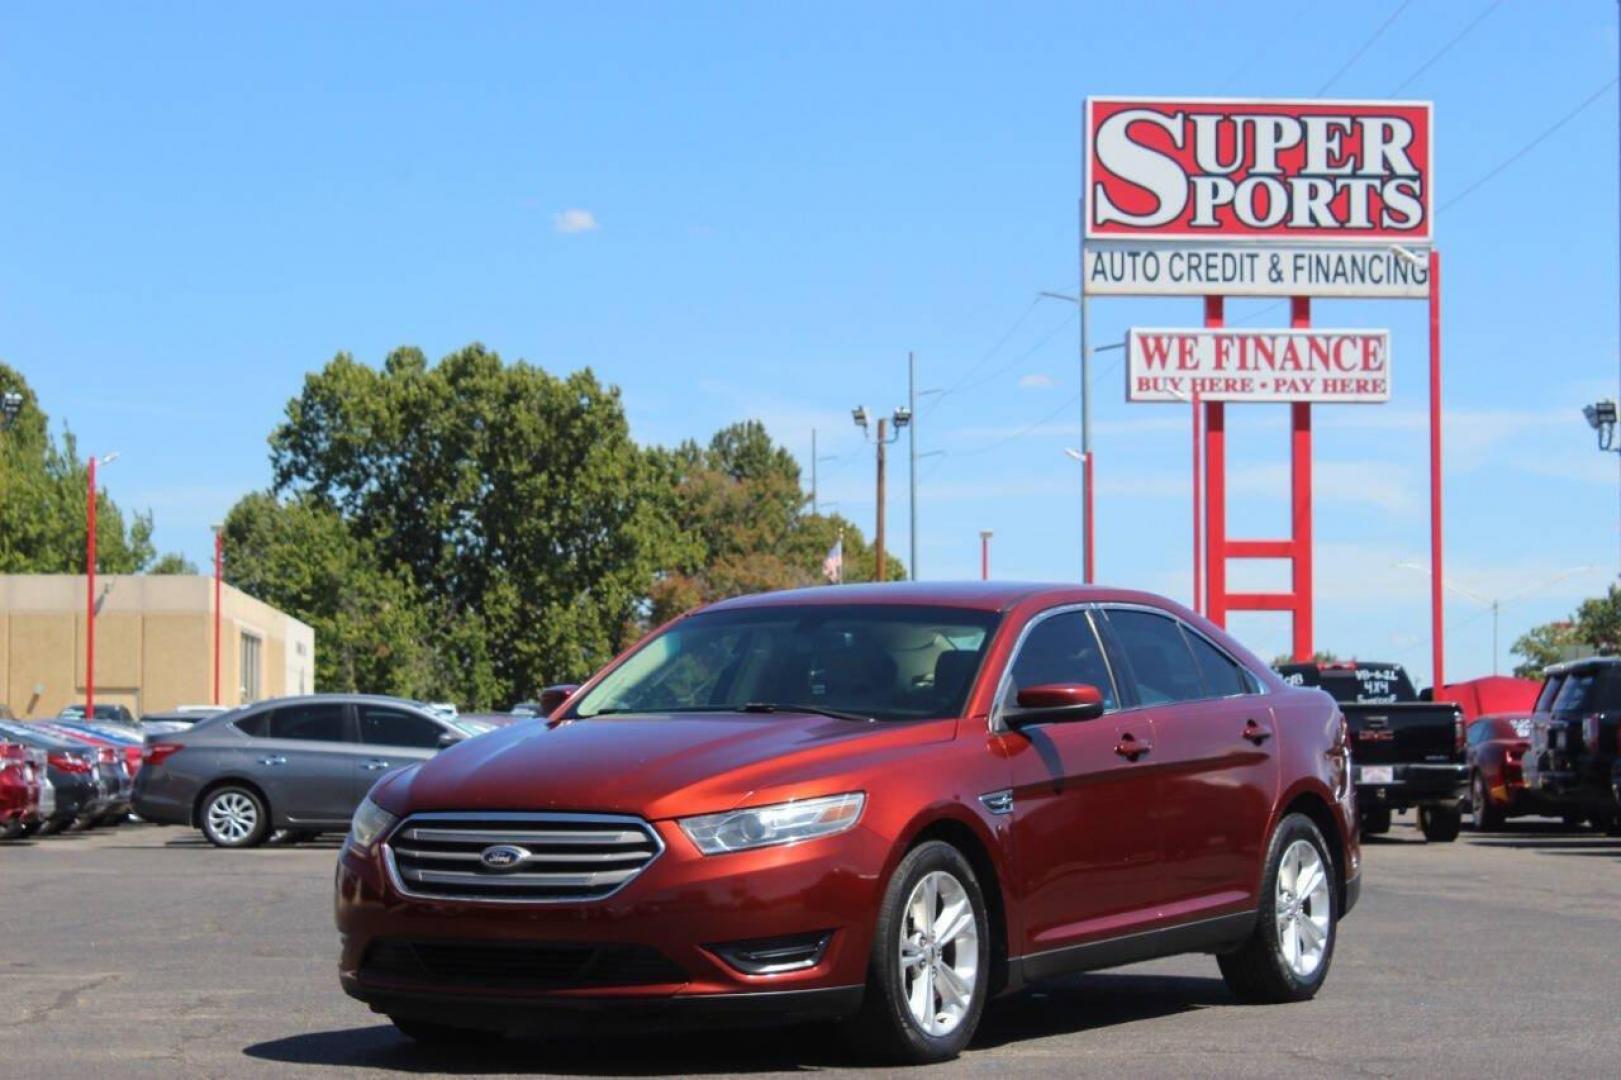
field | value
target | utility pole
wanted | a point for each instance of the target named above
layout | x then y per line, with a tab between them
911	475
985	555
814	510
878	571
903	417
1087	500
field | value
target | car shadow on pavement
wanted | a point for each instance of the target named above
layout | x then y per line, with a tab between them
1063	1007
1560	845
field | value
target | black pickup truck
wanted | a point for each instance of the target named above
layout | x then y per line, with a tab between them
1405	752
1574	762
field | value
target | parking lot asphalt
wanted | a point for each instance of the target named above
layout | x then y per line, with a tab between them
142	951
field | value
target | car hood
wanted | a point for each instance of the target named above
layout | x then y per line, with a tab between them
656	766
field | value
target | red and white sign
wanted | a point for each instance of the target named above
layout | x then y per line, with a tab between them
1222	170
1335	366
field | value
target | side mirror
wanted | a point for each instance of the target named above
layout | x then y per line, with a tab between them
446	738
1056	703
553	696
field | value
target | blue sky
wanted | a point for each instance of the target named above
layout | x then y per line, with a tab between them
201	203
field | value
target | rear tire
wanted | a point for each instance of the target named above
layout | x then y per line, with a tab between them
1488	818
932	943
234	816
1440	824
12	829
427	1032
1287	956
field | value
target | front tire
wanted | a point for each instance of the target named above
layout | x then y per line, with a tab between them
235	817
1487	817
1440	824
1287	956
928	977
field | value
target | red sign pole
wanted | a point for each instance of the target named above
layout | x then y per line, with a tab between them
1300	500
90	593
1198	493
1215	490
1437	627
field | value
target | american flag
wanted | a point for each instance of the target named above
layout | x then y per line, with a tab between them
833	565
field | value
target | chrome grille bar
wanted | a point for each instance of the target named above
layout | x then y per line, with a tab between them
544	857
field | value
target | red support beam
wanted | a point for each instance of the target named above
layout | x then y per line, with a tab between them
1437	620
1215	489
1300	501
1198	495
1261	601
1261	549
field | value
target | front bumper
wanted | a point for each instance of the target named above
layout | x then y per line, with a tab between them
1410	785
681	906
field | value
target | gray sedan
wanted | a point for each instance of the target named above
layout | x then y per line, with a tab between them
298	764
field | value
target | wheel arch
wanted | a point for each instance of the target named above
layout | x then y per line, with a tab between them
979	845
1311	804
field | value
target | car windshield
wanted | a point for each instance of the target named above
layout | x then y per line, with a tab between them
878	661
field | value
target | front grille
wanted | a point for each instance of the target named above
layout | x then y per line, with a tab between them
519	858
521	965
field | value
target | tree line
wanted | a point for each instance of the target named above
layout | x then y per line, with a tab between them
473	530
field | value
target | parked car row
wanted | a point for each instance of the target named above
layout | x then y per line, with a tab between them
58	779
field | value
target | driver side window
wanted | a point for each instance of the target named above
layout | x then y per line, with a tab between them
1062	648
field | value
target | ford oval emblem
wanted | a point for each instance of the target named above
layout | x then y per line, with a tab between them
502	856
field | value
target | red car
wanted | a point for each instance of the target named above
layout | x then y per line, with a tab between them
876	803
1496	753
19	790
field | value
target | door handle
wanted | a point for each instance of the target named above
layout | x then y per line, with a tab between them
1131	748
374	764
1255	733
276	759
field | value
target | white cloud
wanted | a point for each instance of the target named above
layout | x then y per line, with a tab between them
1384	485
574	220
1036	381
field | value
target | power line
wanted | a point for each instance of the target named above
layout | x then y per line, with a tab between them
1017	360
983	360
1021	433
1366	45
1533	144
1443	50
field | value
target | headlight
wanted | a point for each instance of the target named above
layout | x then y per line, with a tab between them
371	821
784	823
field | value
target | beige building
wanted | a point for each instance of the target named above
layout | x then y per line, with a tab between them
154	643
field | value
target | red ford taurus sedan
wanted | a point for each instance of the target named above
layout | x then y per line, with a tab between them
876	803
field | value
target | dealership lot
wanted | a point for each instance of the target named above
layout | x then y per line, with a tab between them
142	951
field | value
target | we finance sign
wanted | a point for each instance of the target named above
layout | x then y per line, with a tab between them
1293	171
1333	366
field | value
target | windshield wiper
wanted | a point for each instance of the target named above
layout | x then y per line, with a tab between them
816	710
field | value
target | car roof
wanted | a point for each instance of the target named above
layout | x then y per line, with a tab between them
982	595
1566	667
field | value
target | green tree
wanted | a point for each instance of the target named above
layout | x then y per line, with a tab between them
43	483
528	523
1594	628
298	555
172	563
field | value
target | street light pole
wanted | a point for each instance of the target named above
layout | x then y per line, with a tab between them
90	585
911	474
1088	504
219	573
878	566
985	554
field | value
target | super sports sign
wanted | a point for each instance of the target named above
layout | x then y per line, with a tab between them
1309	172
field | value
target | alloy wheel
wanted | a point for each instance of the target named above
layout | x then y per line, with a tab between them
939	953
232	817
1303	908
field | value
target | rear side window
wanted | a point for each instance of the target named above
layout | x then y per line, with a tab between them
382	726
1577	693
1480	731
1161	664
257	725
1223	676
311	723
1550	690
1061	649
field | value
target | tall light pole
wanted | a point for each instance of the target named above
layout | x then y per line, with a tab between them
985	554
817	459
90	585
1601	417
1087	501
219	573
912	394
902	417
